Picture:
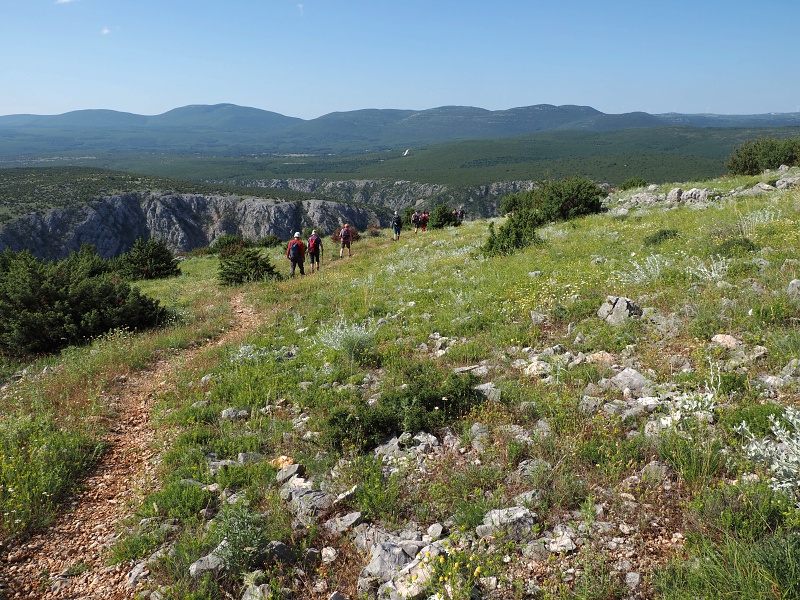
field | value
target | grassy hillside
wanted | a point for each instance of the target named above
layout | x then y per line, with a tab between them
370	346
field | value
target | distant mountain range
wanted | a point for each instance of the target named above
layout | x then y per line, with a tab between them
228	129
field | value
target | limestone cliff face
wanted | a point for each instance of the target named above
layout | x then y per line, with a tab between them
184	221
396	195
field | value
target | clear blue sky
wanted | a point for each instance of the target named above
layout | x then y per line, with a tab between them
308	58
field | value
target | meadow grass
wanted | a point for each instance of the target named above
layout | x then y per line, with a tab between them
366	346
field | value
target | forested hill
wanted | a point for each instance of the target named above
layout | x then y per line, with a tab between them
232	129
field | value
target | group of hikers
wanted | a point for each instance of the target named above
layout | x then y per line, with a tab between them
419	221
296	249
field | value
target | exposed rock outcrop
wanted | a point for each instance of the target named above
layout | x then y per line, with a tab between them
480	200
183	221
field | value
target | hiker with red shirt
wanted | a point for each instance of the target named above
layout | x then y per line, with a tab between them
346	236
423	220
296	252
314	249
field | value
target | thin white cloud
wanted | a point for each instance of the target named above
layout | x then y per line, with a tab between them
299	7
105	31
64	1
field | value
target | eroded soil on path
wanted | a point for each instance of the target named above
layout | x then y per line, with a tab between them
70	559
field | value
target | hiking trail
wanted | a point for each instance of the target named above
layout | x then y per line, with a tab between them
69	560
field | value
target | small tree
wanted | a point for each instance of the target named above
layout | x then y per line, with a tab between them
441	217
148	260
246	266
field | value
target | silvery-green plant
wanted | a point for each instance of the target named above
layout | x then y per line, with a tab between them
648	269
248	353
244	537
714	270
694	403
782	454
355	340
748	223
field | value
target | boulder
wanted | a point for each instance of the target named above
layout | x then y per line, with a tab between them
514	523
616	310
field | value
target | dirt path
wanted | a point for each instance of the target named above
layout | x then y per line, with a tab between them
68	561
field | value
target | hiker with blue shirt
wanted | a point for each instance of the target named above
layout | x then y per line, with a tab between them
397	224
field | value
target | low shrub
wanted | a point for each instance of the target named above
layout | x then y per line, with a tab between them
48	306
377	494
270	241
757	416
246	266
550	201
245	538
228	245
39	461
428	401
781	454
736	247
355	341
748	511
660	236
633	183
178	500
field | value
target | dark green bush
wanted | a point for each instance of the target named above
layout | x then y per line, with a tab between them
736	247
246	266
47	306
428	401
662	235
632	183
227	245
754	157
567	199
270	241
441	217
148	260
550	201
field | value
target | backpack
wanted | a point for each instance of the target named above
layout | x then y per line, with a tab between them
294	250
415	218
345	234
313	243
